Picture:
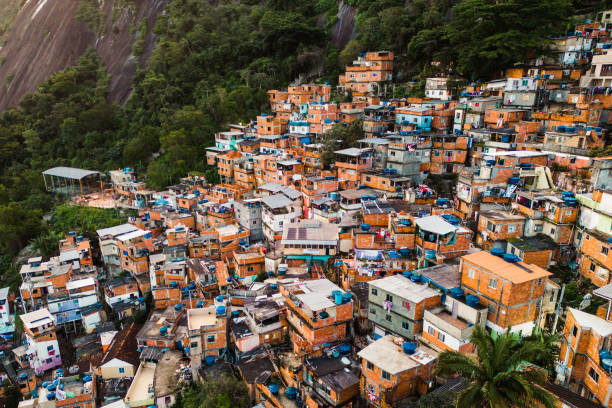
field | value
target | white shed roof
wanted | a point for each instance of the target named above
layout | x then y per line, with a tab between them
435	224
69	172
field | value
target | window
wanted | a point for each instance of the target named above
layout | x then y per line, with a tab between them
538	228
251	268
491	307
389	298
210	339
552	231
594	376
405	326
368	178
471	273
540	281
121	370
604	250
387	376
490	226
574	331
194	344
372	310
493	283
369	366
388	317
441	336
430	330
592	267
511	229
374	291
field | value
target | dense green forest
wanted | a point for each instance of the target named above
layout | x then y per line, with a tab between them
213	65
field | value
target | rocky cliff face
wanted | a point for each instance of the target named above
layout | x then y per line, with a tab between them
46	36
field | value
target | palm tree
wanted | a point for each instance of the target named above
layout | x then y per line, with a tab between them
493	373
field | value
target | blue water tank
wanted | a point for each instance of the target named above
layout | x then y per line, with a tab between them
451	219
291	393
346	297
603	354
456	293
511	258
209	360
498	252
415	278
344	348
163	330
365	227
200	304
472	300
273	388
514	180
324	315
173	284
407	274
335	353
409	347
178	307
338	297
51	396
273	286
220	310
235	313
220	298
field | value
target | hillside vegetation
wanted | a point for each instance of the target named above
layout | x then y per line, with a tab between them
213	65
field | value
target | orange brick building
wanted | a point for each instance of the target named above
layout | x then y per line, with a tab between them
390	374
513	291
318	311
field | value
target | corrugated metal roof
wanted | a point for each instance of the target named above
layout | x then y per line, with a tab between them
435	224
69	172
116	230
277	201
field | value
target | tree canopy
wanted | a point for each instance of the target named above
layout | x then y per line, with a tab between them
496	378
